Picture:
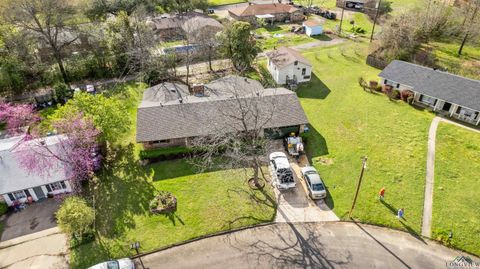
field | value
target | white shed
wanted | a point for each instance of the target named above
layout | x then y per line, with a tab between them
287	65
313	28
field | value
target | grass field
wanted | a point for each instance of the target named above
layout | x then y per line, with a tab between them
456	199
467	64
224	2
207	203
348	123
280	35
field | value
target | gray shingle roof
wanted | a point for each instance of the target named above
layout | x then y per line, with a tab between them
285	56
200	116
451	88
13	177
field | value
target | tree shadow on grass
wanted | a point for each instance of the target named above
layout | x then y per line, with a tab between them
173	217
260	197
403	221
123	191
314	89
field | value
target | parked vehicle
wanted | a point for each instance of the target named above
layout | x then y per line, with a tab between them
294	145
316	188
281	171
124	263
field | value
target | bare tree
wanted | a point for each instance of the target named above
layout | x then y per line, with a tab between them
203	31
238	139
470	23
47	20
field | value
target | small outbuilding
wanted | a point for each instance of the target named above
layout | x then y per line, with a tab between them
288	66
313	28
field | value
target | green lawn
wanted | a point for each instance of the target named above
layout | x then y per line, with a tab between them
224	2
347	123
456	194
467	64
280	35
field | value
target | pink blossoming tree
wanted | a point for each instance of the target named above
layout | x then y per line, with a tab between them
16	116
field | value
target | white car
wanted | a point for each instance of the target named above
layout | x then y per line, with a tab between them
315	185
282	174
124	263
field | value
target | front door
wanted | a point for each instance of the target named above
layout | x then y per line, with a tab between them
446	106
39	193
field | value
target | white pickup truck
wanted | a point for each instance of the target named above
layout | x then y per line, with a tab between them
281	171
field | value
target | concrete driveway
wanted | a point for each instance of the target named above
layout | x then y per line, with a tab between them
295	205
36	217
40	250
307	245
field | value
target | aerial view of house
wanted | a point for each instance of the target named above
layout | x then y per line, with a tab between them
274	12
454	96
288	66
239	134
17	185
170	115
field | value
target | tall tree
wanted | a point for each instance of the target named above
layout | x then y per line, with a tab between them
470	23
237	43
47	20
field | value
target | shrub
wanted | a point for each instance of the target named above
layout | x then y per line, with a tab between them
164	202
85	238
3	208
395	94
75	216
406	95
164	153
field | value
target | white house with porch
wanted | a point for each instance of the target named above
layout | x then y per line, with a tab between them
17	185
288	66
447	94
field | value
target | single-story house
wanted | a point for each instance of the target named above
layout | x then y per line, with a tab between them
171	115
448	94
190	25
16	184
288	66
276	12
313	28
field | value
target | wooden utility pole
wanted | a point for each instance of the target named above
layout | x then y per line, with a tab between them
375	20
364	165
341	19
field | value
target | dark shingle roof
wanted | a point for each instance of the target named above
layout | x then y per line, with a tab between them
200	116
451	88
263	9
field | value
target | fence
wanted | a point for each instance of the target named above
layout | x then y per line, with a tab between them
375	62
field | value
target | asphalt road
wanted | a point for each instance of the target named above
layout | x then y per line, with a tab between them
307	245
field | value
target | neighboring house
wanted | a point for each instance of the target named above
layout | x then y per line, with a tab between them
288	66
444	93
16	184
313	28
277	12
169	115
178	26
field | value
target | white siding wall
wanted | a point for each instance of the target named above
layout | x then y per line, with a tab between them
280	76
34	196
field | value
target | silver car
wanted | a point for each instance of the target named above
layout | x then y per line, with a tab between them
315	185
124	263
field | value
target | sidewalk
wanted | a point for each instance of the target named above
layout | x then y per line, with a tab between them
45	249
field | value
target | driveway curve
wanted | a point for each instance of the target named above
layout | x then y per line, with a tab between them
307	245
